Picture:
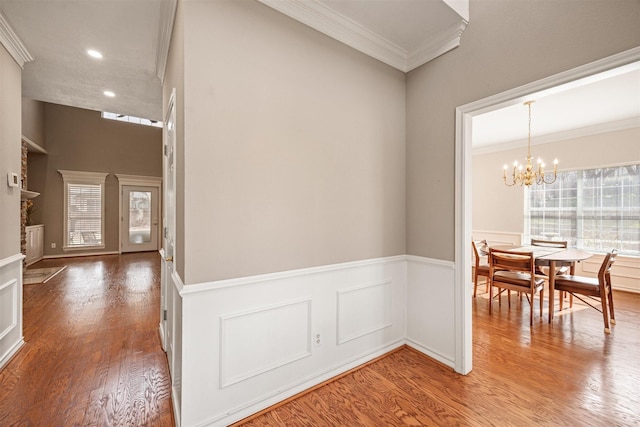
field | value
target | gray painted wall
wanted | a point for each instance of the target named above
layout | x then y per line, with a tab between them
82	140
33	121
507	44
294	146
10	153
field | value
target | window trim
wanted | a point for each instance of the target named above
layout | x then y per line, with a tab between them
82	178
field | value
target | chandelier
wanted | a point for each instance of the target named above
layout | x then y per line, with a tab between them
525	174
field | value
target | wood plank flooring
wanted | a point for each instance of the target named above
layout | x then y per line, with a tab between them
92	355
569	373
93	358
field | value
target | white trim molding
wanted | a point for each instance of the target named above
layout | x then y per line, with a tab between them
82	178
167	18
10	40
32	146
320	17
442	43
141	180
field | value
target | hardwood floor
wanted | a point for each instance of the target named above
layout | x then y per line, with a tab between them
568	373
92	355
93	358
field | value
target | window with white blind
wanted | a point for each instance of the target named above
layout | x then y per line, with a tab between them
83	209
593	209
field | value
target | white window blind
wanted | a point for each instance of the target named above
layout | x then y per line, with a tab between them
83	209
593	209
84	219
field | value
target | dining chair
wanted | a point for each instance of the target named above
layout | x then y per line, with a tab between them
565	269
593	288
480	268
515	272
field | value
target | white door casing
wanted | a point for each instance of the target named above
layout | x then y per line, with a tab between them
463	168
139	221
151	184
167	306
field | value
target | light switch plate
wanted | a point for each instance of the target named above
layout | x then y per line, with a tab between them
12	179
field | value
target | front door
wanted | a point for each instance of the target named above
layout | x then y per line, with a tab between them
139	218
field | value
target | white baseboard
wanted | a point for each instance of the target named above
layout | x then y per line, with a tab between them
12	352
81	254
161	332
176	406
432	353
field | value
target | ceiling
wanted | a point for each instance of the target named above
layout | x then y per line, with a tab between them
601	103
133	36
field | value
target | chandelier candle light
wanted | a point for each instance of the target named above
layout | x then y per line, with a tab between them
526	175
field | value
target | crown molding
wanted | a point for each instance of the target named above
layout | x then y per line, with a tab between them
167	18
10	40
440	44
324	19
549	138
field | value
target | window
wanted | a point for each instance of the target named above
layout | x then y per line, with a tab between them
131	119
83	209
593	209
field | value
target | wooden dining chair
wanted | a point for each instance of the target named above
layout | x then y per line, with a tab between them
565	269
515	272
593	288
480	268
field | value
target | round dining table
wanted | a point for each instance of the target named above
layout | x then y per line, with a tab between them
558	259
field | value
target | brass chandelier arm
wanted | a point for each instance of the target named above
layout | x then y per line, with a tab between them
527	175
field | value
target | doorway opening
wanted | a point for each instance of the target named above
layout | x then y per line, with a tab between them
463	179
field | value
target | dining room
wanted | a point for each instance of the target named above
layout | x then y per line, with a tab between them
591	198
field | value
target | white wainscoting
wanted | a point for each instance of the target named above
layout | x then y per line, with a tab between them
430	308
175	325
252	341
353	322
282	332
11	338
498	237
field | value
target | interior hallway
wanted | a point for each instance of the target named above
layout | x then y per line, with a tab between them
92	354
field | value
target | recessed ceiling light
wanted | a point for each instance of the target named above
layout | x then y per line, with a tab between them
94	54
109	93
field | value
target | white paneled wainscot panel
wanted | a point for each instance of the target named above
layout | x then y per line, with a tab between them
430	308
281	332
8	307
258	340
363	310
11	338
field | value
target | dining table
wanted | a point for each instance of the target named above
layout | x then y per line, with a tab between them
552	258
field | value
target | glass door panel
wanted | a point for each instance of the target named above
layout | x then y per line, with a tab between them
139	217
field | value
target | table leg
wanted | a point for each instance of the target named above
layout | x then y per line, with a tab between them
552	292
